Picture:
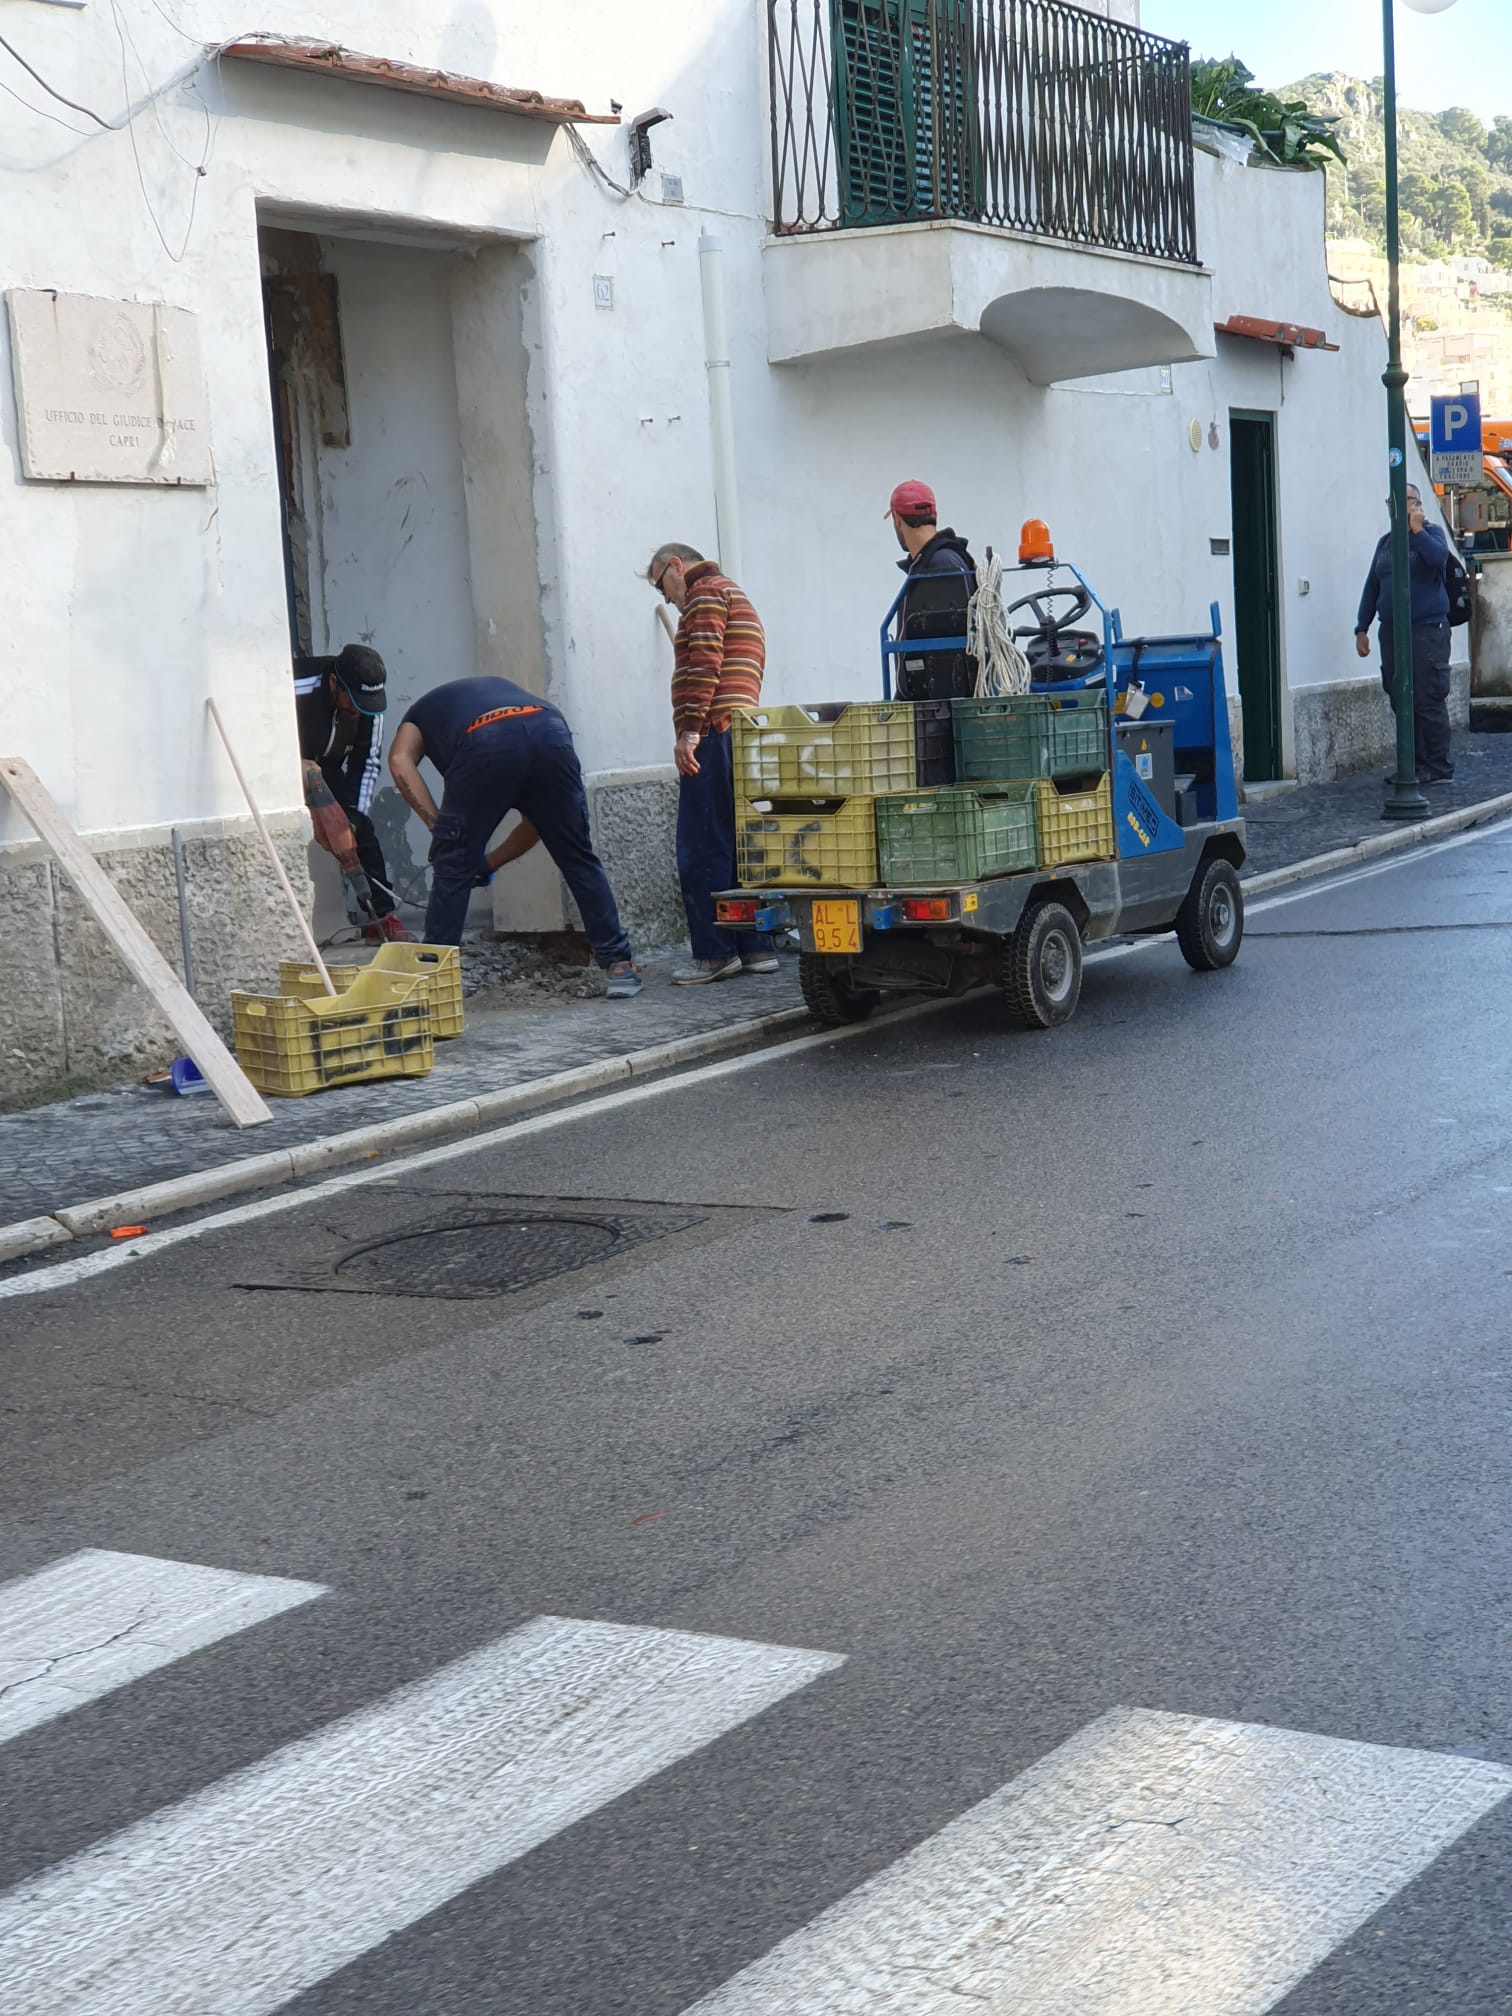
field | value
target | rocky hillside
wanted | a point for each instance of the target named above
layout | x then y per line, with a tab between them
1456	174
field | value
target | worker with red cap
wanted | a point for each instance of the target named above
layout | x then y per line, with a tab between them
927	550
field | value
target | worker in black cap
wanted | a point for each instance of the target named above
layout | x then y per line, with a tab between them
340	703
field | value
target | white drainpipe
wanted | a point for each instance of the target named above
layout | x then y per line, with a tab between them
721	404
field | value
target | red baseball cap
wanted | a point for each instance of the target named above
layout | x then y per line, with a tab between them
911	499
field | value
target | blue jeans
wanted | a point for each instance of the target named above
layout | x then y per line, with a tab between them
706	851
526	765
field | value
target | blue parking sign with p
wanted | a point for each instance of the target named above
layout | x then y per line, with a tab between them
1455	439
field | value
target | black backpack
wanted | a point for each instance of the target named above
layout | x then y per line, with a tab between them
1461	594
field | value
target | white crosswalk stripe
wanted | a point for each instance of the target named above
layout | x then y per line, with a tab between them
270	1880
89	1624
1154	1865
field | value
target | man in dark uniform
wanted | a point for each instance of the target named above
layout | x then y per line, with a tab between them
499	749
1428	597
339	702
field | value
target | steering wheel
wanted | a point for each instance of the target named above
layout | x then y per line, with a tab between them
1056	650
1045	622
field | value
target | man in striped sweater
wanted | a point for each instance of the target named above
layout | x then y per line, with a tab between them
721	655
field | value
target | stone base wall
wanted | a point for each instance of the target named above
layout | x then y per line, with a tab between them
72	1018
1348	725
634	819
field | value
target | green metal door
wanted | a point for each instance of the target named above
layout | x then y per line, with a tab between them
1257	590
907	137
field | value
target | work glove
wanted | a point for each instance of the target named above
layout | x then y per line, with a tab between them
362	889
484	877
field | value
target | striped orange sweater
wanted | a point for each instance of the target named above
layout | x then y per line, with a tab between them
721	653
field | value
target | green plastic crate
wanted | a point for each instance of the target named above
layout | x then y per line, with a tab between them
840	750
801	843
1031	735
956	835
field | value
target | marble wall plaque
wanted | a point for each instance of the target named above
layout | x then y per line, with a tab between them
108	391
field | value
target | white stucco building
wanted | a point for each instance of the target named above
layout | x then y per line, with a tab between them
439	380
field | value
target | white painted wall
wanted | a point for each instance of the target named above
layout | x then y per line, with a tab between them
126	609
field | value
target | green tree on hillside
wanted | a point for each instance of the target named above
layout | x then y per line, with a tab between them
1499	143
1477	186
1460	125
1453	212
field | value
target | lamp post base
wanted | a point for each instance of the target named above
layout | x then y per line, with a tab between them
1404	800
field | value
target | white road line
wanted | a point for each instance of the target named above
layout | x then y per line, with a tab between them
1155	1865
255	1889
88	1267
89	1624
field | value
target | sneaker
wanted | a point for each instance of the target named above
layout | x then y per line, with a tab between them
389	931
1437	780
625	980
702	971
760	962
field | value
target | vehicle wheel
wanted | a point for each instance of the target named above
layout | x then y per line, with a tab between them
1210	923
829	993
1041	967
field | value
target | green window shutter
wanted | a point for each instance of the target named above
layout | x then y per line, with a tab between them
906	131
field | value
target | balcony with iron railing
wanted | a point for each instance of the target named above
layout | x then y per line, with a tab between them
1019	168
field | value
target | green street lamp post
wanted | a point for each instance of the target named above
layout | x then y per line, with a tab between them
1404	797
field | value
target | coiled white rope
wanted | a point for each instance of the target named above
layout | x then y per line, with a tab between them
1002	667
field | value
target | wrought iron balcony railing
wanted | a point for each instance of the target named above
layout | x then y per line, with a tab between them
1028	114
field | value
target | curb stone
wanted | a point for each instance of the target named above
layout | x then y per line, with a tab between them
1380	843
257	1172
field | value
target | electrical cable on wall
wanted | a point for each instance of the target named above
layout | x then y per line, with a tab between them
1002	667
125	122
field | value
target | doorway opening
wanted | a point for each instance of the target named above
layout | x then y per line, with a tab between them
372	496
1257	590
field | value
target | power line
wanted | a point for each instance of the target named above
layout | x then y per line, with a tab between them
72	104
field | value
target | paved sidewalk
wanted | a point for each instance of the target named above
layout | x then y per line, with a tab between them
102	1143
1317	818
56	1157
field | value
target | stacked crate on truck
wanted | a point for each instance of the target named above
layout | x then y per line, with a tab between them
1058	743
807	780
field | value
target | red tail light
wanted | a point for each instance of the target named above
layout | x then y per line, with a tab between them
735	910
927	909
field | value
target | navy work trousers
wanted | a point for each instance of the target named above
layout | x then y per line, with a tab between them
706	850
369	851
526	764
1430	695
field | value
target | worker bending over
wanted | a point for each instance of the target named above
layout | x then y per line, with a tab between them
339	704
499	750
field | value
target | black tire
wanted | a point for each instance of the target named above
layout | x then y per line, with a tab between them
1210	922
1040	967
829	993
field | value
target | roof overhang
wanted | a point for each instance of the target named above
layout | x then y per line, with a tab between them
1288	336
331	59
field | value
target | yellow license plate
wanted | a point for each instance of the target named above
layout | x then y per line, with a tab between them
837	927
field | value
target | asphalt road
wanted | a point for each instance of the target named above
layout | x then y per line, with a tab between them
1158	1363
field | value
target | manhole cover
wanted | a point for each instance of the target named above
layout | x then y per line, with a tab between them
485	1256
480	1250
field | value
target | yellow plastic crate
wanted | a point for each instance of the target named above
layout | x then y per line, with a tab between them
807	843
1075	820
298	979
380	1027
834	751
439	965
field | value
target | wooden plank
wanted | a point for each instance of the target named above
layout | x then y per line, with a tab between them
240	1098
